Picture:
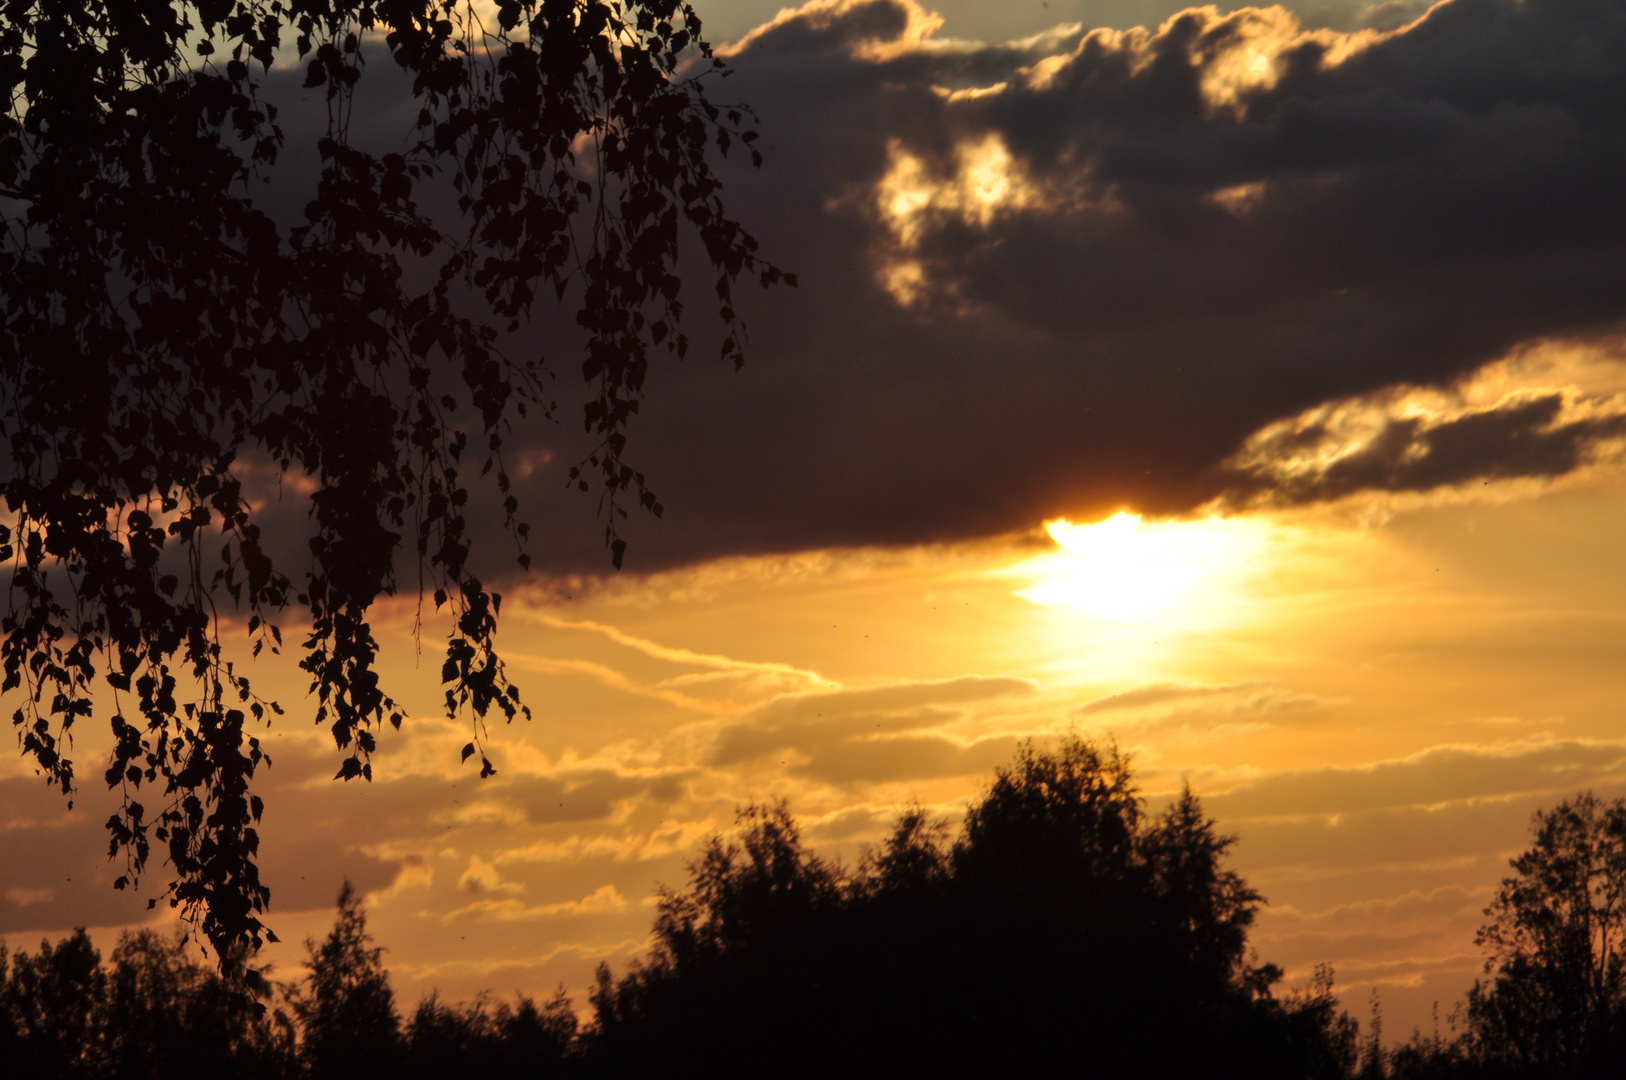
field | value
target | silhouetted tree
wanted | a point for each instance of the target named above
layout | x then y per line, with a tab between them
1064	932
1308	1034
1554	1005
169	350
1208	908
741	959
1556	999
346	1009
1077	904
1374	1060
501	1043
50	1023
155	1013
167	1015
911	864
1049	856
752	894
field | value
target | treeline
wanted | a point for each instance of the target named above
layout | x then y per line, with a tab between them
1063	932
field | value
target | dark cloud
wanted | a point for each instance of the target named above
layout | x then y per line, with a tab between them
1078	271
1527	437
1123	253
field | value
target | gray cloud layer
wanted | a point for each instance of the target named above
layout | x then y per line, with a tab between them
1079	271
1122	255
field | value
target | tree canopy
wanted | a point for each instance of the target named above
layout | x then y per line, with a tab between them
1556	998
170	349
151	1013
347	1009
1064	930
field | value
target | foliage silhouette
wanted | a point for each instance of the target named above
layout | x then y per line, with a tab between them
1063	930
169	351
1063	927
502	1043
156	1013
346	1009
1556	1001
50	1004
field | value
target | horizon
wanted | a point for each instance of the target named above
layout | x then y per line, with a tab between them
1341	557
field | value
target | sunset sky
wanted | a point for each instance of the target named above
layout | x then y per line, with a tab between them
1245	387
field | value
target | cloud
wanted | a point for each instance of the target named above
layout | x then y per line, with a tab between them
1056	276
1412	439
606	900
898	732
589	797
1171	715
1436	777
1097	268
498	898
1234	699
481	878
1403	912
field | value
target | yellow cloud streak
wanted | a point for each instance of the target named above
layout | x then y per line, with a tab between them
676	655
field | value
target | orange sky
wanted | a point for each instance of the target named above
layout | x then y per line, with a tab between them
1373	693
1373	699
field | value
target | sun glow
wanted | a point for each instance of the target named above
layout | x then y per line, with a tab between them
1125	570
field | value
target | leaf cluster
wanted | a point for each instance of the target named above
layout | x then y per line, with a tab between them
170	353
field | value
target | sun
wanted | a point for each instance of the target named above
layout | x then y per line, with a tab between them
1126	570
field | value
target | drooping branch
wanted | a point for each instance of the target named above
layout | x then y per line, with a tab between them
158	327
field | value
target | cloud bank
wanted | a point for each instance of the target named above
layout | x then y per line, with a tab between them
1083	270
